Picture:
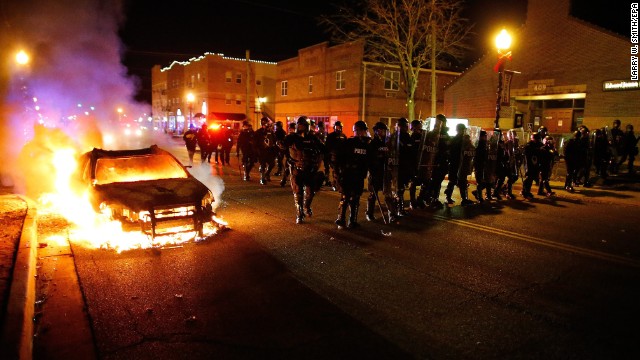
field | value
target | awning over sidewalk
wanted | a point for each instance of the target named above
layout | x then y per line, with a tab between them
226	116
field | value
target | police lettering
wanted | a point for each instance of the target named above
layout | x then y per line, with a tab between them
360	151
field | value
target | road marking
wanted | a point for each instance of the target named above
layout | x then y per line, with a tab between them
535	240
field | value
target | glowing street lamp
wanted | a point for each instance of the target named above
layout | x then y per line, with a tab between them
503	43
119	110
22	58
190	100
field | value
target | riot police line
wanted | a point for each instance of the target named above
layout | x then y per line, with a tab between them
417	155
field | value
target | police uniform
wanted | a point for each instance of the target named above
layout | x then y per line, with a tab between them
352	167
305	154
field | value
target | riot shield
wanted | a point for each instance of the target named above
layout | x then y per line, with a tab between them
393	162
489	171
428	150
514	150
470	137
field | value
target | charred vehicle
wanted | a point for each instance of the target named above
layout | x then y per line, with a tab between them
146	187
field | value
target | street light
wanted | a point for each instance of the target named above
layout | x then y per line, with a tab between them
190	99
119	114
22	58
503	43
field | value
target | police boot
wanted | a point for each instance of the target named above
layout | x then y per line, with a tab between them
465	197
448	192
353	218
510	194
400	207
300	213
497	191
263	180
342	212
371	206
246	169
307	207
413	202
477	193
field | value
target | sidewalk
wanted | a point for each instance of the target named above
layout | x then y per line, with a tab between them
18	252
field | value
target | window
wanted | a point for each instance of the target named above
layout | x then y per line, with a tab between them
238	78
227	76
258	82
227	99
340	80
310	84
391	80
284	88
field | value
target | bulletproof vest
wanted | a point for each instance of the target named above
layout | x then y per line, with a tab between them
305	154
356	159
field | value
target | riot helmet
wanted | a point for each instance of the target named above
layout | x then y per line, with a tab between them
380	126
460	128
337	126
302	124
360	125
264	121
536	137
542	130
441	117
279	124
548	140
616	123
416	124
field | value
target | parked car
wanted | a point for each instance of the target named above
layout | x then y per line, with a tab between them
146	187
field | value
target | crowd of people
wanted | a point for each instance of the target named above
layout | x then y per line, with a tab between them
216	141
416	157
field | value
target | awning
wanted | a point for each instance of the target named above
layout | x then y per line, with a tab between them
226	116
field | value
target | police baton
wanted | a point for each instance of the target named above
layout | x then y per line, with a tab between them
375	193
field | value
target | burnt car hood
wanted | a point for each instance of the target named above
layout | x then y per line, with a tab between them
145	195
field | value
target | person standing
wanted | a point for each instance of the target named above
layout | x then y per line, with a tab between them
203	142
442	163
629	149
226	143
279	134
333	143
601	153
247	148
417	179
305	154
379	178
572	160
265	141
286	172
402	161
547	160
458	167
532	158
479	163
615	145
190	141
352	162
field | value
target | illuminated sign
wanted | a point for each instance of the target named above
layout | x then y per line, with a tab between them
618	85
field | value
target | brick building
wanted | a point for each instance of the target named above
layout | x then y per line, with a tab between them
335	83
568	70
223	89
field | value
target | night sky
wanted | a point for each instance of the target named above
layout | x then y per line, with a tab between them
275	30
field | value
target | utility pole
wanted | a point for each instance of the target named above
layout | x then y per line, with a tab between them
247	107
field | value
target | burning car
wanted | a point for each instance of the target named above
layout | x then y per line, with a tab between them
146	187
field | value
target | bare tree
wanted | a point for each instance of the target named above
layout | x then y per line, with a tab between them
412	34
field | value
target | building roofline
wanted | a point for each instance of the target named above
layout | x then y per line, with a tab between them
201	57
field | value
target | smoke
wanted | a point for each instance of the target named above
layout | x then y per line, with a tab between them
213	182
74	82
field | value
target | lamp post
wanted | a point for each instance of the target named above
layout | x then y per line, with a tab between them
503	43
190	99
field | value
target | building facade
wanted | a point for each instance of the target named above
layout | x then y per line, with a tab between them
212	88
567	73
331	83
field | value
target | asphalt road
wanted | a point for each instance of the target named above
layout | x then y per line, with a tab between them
553	278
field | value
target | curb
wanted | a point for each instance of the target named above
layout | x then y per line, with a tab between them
17	334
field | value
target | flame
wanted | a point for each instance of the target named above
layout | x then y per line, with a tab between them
97	230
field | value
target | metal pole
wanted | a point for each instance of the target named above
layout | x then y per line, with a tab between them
496	124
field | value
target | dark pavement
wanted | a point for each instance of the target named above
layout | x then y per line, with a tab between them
322	329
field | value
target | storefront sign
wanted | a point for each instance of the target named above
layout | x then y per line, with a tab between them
620	85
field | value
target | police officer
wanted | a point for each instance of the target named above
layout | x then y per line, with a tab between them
572	160
352	162
457	145
203	142
333	143
547	160
615	145
226	143
479	163
416	178
265	141
279	134
442	163
247	148
586	157
629	149
282	149
379	178
532	157
403	163
305	154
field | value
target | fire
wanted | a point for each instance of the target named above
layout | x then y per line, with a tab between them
98	230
